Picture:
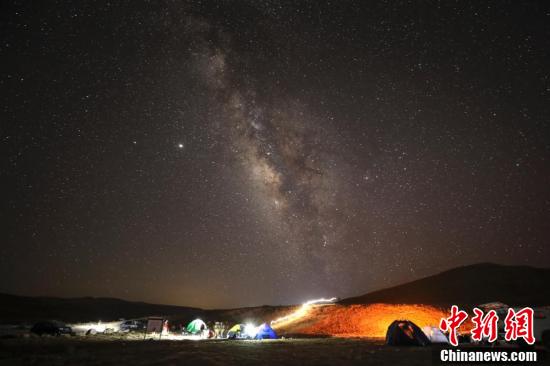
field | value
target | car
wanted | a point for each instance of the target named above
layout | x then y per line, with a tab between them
541	325
52	327
132	325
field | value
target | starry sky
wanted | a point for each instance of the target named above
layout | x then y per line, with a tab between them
239	153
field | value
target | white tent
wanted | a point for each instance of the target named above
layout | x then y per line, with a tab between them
434	334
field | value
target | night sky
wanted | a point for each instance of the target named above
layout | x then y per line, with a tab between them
239	153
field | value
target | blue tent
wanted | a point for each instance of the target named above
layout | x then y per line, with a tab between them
265	332
405	333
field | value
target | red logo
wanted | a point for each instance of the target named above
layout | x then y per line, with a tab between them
485	325
519	325
452	323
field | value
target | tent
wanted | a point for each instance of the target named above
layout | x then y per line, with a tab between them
435	335
196	326
405	333
265	332
236	331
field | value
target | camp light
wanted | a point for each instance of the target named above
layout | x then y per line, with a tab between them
250	330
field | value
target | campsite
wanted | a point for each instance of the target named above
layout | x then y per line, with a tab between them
133	348
327	331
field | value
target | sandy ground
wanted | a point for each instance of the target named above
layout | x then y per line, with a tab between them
368	321
110	351
132	349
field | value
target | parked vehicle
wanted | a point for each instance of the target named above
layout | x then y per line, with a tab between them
541	325
54	328
132	325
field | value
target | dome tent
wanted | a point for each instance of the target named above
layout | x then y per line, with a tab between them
405	333
435	335
196	326
265	332
236	331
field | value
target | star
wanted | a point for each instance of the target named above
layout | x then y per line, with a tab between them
276	163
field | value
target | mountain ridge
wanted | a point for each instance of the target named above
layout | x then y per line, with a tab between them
464	286
469	285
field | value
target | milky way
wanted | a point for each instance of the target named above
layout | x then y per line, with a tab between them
233	154
287	157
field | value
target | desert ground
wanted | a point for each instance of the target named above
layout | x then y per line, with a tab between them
111	351
117	350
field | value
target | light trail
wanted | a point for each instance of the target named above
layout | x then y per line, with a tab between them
301	311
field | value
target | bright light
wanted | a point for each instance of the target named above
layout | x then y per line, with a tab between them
250	330
302	310
99	327
319	301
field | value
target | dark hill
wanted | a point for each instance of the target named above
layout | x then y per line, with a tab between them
22	308
464	286
468	286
